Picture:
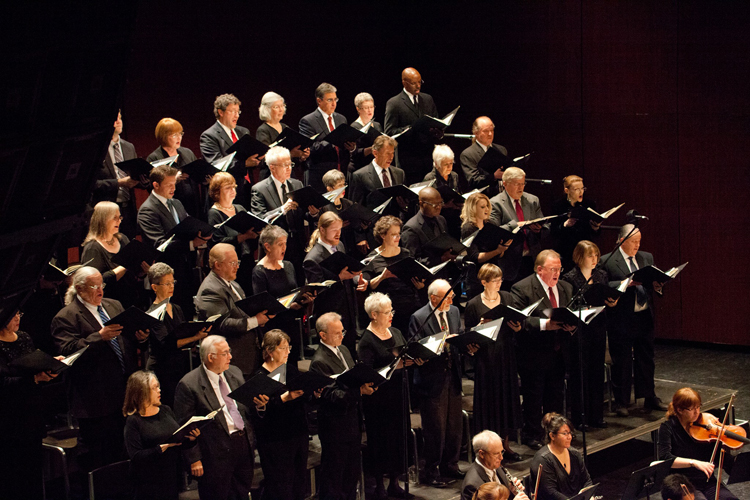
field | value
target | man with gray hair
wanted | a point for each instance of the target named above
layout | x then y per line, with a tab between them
630	325
220	136
379	173
223	460
339	417
97	380
487	468
323	155
476	176
510	209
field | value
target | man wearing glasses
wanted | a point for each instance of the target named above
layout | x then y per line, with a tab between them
324	156
217	295
542	344
272	193
98	377
425	226
510	209
414	154
487	468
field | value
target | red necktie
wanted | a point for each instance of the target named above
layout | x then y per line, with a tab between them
330	123
552	299
386	180
234	136
330	129
519	214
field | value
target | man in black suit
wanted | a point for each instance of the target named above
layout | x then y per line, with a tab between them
223	460
488	448
339	414
323	155
365	105
114	184
509	208
156	218
542	344
631	325
217	295
476	176
97	379
425	226
414	155
220	136
438	382
271	193
378	174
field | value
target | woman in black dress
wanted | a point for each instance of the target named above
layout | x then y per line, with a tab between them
388	232
22	418
222	190
475	214
280	425
191	192
691	457
586	257
568	232
102	243
276	276
354	237
166	358
384	410
564	473
155	464
497	399
446	182
272	109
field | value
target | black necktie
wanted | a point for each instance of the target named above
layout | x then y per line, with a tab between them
416	104
283	193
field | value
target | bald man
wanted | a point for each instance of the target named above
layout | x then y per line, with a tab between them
424	227
414	154
476	176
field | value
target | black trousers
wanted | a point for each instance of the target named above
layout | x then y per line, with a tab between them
340	461
442	428
229	475
594	346
21	468
284	466
542	388
631	344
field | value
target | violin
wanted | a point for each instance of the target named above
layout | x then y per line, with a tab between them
708	428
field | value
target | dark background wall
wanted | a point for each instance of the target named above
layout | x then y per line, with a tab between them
648	101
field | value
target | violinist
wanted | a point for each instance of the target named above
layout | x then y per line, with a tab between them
690	456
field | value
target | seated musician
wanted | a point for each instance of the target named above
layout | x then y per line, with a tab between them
691	457
488	448
677	487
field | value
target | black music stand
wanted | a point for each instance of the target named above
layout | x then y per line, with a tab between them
647	481
586	494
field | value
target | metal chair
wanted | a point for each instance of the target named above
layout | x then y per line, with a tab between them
111	482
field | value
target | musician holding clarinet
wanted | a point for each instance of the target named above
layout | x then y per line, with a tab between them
680	439
487	468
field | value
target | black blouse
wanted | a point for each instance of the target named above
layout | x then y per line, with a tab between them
556	483
226	234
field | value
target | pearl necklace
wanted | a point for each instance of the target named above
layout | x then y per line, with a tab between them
230	207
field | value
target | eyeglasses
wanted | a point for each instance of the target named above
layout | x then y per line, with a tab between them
168	283
515	183
287	348
228	187
577	190
234	263
19	314
177	135
554	270
118	218
276	107
389	313
238	112
420	82
331	100
226	353
566	433
289	165
97	287
434	205
367	108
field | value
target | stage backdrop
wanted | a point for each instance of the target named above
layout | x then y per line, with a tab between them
647	101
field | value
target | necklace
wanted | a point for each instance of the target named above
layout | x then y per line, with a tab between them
489	299
230	207
110	242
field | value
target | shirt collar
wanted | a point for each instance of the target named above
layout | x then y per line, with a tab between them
330	248
325	115
485	148
488	471
411	96
627	257
162	199
91	307
227	130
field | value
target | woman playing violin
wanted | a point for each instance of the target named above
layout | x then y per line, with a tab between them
675	442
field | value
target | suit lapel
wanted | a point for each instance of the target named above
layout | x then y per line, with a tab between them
322	123
86	314
620	261
508	206
224	137
409	103
273	193
333	359
540	293
213	402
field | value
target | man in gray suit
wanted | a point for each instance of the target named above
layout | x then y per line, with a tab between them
223	460
217	295
488	448
476	176
378	174
510	209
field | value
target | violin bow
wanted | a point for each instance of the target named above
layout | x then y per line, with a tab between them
538	477
723	425
718	477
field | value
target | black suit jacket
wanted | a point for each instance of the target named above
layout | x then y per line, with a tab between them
105	187
265	198
338	414
535	344
414	148
97	383
194	396
156	221
366	182
189	191
215	142
476	177
504	215
428	378
617	270
476	477
215	297
414	238
340	296
323	155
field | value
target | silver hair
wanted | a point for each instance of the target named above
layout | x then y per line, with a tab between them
270	234
324	321
440	153
482	441
435	285
79	280
264	111
362	98
323	89
376	302
513	173
208	346
158	271
275	154
625	230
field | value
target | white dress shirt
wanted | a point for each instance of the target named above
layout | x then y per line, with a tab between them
380	171
214	379
543	323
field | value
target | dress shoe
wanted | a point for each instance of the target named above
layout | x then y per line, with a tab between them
532	443
512	456
582	427
601	424
655	404
453	474
435	482
621	411
398	492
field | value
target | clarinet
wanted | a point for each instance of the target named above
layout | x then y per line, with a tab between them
514	488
